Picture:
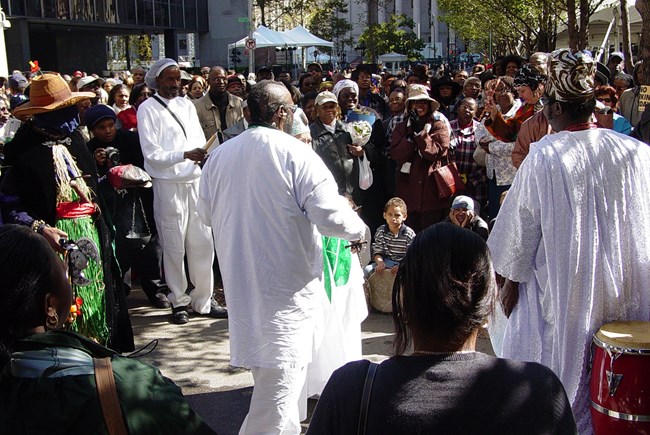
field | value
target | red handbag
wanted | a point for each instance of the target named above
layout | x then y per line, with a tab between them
447	180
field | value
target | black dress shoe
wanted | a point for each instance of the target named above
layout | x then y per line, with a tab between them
161	301
217	311
180	316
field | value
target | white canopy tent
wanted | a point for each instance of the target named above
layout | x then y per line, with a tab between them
392	61
303	38
393	57
264	37
296	37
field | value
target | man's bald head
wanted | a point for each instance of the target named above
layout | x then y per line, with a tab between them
265	99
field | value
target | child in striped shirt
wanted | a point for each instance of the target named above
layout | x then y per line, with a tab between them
391	239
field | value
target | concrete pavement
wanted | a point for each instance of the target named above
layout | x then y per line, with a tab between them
196	356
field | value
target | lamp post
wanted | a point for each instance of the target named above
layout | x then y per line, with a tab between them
362	48
342	59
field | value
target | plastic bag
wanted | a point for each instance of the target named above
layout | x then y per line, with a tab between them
365	173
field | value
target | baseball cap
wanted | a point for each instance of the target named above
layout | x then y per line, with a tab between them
325	97
463	201
85	81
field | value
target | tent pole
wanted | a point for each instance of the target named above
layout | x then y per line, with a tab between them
251	26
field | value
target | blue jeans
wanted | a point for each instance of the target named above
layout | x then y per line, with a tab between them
369	269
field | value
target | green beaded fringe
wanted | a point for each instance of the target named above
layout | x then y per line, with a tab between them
92	322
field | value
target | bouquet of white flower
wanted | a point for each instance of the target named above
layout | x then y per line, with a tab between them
360	132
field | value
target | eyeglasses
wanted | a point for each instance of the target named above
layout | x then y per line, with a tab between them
290	107
604	100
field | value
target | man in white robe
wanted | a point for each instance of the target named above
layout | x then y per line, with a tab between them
171	140
268	198
574	231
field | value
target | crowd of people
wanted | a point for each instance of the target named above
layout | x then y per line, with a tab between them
525	172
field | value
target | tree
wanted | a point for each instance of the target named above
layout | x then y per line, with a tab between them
396	35
627	45
578	29
516	25
326	24
281	13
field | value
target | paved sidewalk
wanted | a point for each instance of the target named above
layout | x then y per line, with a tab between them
196	356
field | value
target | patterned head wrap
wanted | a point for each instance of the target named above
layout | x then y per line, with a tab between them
571	76
528	76
342	84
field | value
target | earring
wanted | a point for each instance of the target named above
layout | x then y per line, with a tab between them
52	321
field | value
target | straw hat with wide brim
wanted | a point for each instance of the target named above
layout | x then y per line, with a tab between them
50	92
420	93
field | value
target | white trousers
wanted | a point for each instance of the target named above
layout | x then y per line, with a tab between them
182	233
274	404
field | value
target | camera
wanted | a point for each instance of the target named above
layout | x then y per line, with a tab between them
414	118
113	156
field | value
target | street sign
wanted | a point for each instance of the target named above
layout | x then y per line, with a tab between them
243	20
250	43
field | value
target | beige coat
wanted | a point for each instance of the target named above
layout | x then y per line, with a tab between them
210	118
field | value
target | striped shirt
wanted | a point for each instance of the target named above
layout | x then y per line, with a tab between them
391	246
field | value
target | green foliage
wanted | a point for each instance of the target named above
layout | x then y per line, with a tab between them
396	35
531	24
325	23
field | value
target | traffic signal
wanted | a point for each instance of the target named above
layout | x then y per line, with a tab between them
234	55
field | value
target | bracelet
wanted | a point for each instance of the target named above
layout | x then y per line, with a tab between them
38	226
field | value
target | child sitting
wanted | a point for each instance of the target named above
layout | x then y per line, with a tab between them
391	239
463	215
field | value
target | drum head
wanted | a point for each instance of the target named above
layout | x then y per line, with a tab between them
381	291
625	335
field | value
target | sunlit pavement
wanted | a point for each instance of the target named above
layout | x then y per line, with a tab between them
197	357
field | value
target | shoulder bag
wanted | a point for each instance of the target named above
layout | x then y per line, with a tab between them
446	179
107	392
365	398
155	97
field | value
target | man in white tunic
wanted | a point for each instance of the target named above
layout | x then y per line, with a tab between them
171	140
573	231
268	198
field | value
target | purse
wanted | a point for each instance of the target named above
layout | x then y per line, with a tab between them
447	180
479	155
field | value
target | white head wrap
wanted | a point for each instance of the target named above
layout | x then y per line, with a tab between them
156	69
300	123
342	84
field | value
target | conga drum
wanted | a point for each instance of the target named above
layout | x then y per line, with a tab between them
381	291
620	379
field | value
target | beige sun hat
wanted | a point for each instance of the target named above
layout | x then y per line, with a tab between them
49	92
419	93
325	97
